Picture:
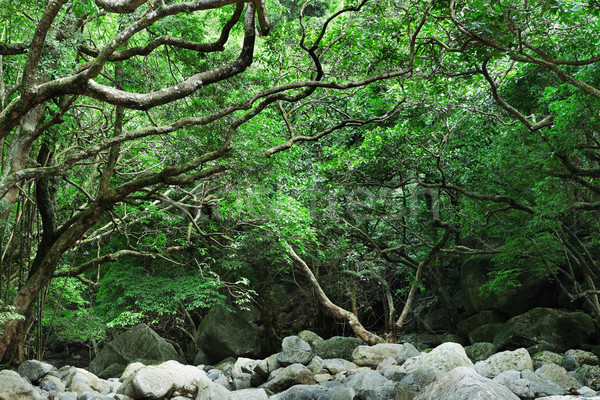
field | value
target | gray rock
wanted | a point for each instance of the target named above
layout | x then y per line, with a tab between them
588	375
417	380
574	359
223	334
516	360
15	387
365	380
485	333
480	351
138	343
484	317
512	381
202	358
434	364
249	394
338	347
346	393
262	369
112	371
545	357
371	356
305	392
34	370
52	384
294	351
541	385
561	330
209	390
463	383
282	379
336	365
82	381
558	375
316	365
586	392
130	370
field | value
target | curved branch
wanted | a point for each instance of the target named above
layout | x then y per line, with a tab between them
13	49
120	6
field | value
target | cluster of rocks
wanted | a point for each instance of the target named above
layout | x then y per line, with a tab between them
310	368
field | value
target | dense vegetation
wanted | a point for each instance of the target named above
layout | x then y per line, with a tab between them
159	157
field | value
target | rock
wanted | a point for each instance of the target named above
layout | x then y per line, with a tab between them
34	370
480	351
545	357
517	360
417	380
208	390
371	356
249	394
338	347
311	338
284	378
305	392
463	383
586	392
485	333
512	381
202	358
223	334
112	371
262	369
562	330
15	387
138	343
316	365
157	381
52	384
482	318
365	380
421	340
588	375
428	367
574	359
541	386
558	375
294	351
130	370
534	289
345	393
82	381
337	365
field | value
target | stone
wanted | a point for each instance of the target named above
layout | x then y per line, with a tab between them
157	381
82	381
346	393
294	351
337	365
316	365
558	375
512	381
545	357
588	375
533	290
202	358
249	394
475	321
311	338
586	392
52	384
138	343
130	370
305	392
112	371
371	356
417	380
541	386
282	379
209	390
14	387
574	359
34	370
517	360
561	329
262	369
480	351
223	334
338	347
429	366
463	383
365	380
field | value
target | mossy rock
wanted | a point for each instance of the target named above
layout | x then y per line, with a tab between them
311	338
482	318
112	371
561	330
338	347
480	351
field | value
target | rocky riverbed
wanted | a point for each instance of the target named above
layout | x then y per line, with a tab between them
380	372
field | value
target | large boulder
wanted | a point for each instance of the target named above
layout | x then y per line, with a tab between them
138	343
15	387
294	351
281	379
304	392
463	383
224	333
561	330
34	370
534	289
475	321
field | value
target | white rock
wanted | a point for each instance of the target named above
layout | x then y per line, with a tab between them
517	360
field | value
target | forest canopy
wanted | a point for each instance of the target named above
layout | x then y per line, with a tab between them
159	156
